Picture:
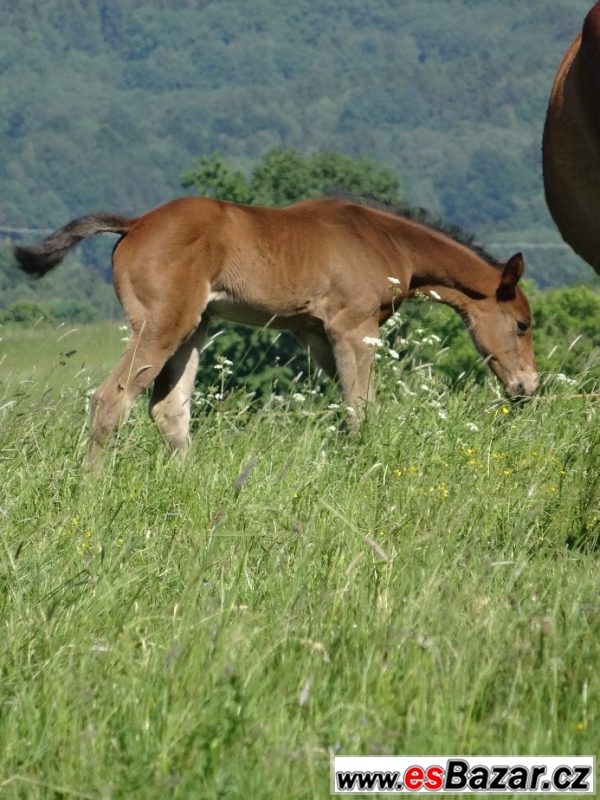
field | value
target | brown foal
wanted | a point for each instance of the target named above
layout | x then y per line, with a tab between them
330	271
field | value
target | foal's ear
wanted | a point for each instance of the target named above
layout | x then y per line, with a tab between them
511	274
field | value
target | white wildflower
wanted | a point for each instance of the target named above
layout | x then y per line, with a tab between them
299	398
562	378
394	353
470	426
431	339
373	341
405	389
442	414
333	406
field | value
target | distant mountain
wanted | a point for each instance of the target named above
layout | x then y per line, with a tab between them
103	103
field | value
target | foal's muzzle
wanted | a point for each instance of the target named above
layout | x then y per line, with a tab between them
523	388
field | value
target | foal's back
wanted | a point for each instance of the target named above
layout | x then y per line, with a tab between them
287	261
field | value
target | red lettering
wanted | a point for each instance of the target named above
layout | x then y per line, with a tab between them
435	779
413	778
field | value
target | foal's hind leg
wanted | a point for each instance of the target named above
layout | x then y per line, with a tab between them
135	370
170	404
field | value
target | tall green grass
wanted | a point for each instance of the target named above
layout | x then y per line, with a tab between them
219	627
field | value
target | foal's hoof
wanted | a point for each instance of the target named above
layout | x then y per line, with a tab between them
352	423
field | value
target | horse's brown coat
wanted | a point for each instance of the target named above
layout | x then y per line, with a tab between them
571	147
320	269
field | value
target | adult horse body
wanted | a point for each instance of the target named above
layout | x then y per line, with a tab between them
330	271
571	146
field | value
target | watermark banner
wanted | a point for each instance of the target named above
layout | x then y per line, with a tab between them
463	774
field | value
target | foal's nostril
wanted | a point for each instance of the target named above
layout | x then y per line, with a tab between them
517	392
520	394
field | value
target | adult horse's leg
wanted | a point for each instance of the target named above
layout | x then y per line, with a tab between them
170	404
354	357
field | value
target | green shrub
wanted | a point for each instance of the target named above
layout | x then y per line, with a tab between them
26	312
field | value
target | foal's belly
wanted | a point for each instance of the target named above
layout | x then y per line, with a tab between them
233	310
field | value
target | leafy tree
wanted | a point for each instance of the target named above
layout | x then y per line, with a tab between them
211	176
284	176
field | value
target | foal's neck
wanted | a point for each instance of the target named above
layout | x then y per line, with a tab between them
449	271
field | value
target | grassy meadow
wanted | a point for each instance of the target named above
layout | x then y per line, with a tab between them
218	627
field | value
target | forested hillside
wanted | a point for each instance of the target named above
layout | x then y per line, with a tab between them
104	103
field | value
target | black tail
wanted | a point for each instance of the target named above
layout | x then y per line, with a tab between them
40	258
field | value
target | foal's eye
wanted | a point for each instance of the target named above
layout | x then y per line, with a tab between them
522	325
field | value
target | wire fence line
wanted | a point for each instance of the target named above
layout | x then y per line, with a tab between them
25	231
531	245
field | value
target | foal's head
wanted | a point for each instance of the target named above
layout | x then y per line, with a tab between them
500	324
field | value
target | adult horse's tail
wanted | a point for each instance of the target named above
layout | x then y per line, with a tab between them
40	258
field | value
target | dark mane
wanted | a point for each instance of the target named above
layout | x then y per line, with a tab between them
428	220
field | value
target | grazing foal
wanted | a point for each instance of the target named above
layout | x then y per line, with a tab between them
330	271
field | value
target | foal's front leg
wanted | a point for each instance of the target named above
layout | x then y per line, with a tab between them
354	358
320	350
